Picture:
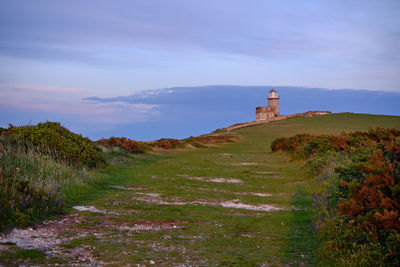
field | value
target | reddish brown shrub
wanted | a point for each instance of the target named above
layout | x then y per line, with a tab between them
130	145
166	143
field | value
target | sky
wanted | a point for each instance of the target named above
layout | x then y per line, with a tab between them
60	60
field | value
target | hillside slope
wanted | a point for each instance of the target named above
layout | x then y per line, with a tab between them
234	204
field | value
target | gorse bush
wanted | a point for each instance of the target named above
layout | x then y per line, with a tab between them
136	147
166	143
358	205
36	164
292	144
131	146
210	139
51	137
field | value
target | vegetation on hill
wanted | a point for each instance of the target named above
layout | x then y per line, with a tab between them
211	139
137	147
358	203
129	145
36	162
182	206
54	139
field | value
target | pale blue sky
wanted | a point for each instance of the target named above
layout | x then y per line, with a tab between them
53	54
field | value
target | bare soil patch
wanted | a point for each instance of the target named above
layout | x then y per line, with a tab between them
126	187
45	236
253	194
264	172
262	207
93	209
238	163
212	179
227	204
237	193
53	236
244	164
145	225
5	246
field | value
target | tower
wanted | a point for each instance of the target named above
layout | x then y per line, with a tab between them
272	110
273	101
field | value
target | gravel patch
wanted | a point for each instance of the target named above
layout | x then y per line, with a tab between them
4	247
228	204
244	164
150	226
158	200
265	172
126	187
237	193
262	207
238	163
212	179
252	194
42	239
45	237
51	235
93	209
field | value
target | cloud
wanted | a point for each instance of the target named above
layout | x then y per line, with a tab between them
65	101
263	29
230	99
119	112
190	111
180	112
149	44
38	88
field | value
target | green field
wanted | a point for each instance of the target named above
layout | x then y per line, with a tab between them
206	206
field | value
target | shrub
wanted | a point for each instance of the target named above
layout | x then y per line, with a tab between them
40	169
202	140
30	184
166	143
21	204
36	163
130	145
358	204
290	144
51	137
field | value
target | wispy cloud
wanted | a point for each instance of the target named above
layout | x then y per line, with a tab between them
119	112
150	44
182	111
185	111
38	88
65	101
229	99
261	29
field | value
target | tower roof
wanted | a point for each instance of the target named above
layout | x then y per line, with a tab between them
273	94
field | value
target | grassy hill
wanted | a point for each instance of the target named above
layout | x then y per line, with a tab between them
238	203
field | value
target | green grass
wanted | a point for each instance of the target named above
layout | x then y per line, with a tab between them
30	179
213	235
40	169
20	255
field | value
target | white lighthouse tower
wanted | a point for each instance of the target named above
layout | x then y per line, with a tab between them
273	101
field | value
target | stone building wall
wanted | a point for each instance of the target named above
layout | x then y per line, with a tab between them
265	113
